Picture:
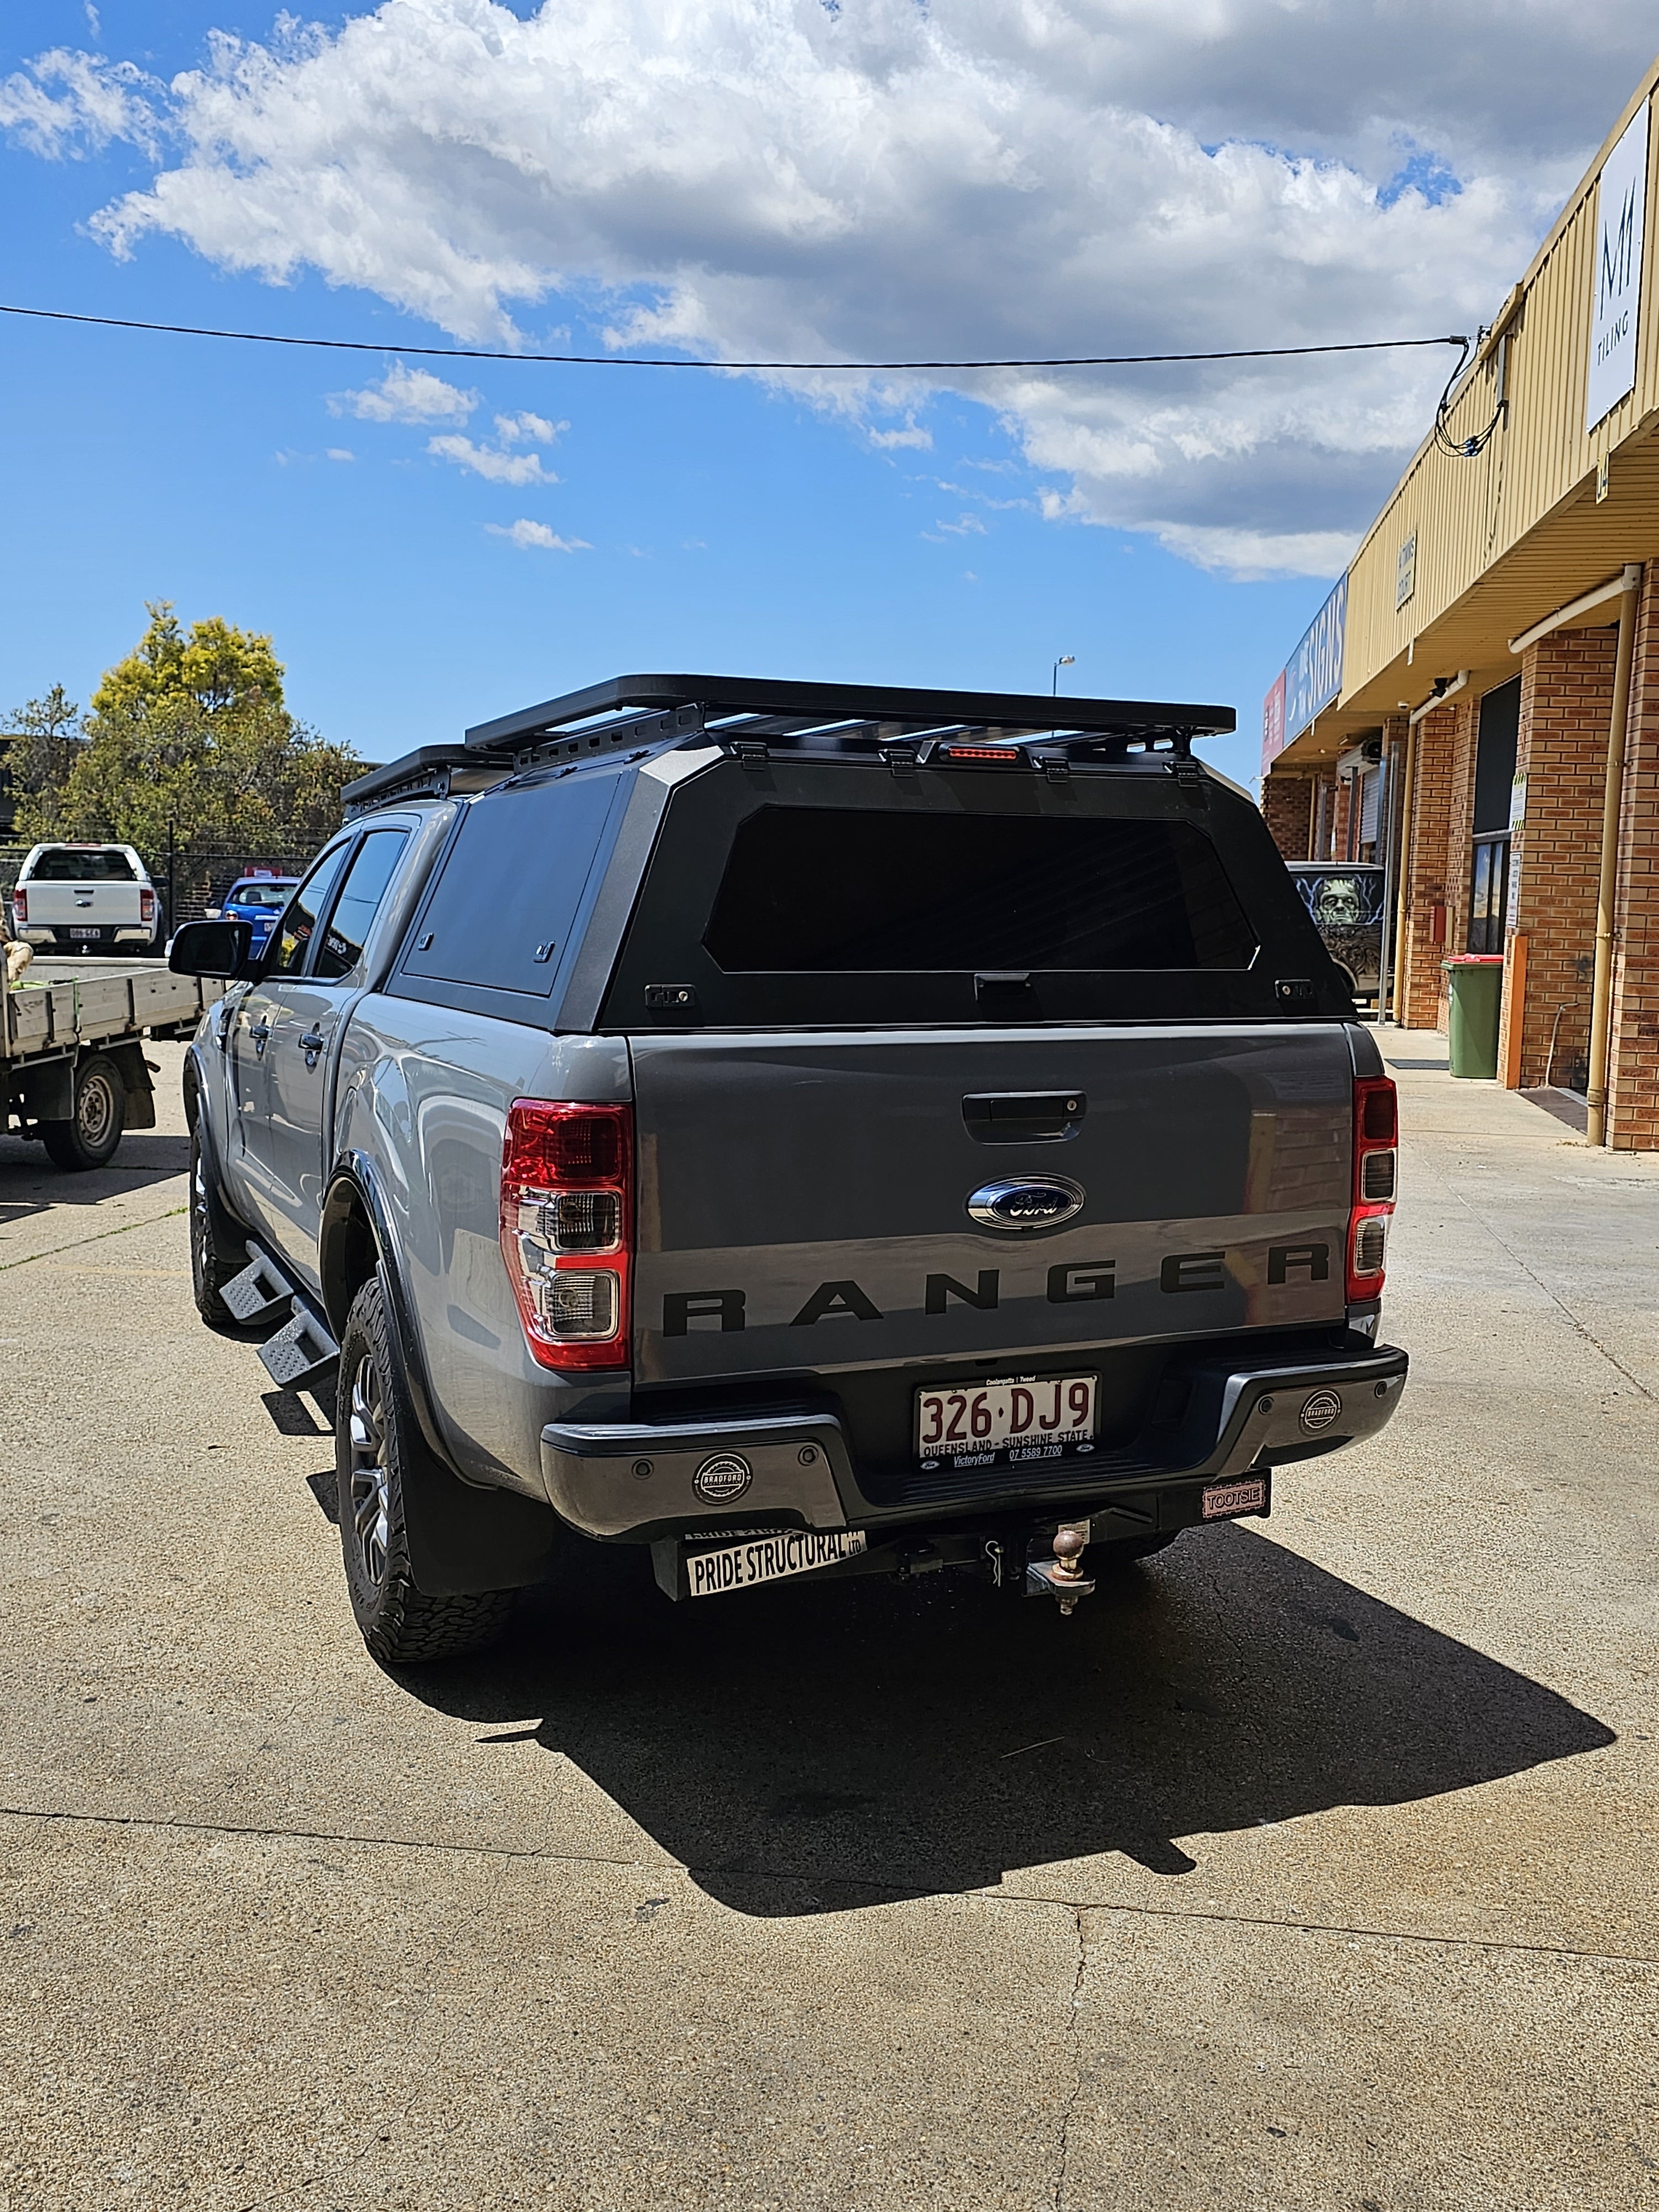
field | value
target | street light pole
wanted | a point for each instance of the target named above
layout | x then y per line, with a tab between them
1065	660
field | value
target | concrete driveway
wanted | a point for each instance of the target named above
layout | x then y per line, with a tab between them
1313	1867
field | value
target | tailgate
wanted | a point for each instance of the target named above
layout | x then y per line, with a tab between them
803	1203
69	906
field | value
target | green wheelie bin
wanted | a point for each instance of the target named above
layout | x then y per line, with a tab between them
1476	983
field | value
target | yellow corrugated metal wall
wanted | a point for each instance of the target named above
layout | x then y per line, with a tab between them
1468	513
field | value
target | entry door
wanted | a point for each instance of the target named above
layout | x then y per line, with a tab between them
305	1051
256	1034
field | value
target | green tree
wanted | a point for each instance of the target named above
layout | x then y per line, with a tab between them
189	736
218	669
40	741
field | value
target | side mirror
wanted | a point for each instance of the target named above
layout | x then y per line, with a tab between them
221	949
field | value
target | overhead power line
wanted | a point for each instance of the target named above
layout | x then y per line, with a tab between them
669	360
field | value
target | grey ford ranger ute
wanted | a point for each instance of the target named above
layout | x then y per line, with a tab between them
798	1128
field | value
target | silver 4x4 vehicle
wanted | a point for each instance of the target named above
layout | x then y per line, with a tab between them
798	1128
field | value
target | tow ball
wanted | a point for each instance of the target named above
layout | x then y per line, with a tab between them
1062	1577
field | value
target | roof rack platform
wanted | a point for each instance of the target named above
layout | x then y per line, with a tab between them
429	772
733	707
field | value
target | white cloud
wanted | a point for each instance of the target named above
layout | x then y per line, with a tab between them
783	179
406	395
537	535
341	453
94	103
492	466
965	525
913	434
515	430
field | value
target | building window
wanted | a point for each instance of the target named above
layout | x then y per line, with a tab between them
1494	777
1489	894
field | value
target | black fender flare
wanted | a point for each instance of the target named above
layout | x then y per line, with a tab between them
355	1182
462	1537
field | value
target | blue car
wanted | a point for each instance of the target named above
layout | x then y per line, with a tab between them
256	899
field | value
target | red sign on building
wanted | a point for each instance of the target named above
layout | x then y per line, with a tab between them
1273	724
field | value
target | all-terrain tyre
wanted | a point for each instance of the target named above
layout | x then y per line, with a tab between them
377	1443
89	1137
209	1272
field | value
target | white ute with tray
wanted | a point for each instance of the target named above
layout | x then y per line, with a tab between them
72	1066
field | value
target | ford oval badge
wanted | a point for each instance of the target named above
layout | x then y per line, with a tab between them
1025	1203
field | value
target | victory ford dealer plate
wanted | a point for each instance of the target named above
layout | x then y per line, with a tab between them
1006	1423
769	1559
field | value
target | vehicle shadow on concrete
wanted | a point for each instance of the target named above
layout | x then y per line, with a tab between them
31	1184
804	1750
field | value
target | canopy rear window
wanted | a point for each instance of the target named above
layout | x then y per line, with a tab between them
789	893
856	890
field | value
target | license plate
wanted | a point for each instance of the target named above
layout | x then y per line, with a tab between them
86	932
769	1559
1006	1422
1224	1500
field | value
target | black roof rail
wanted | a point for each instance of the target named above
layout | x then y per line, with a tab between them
729	707
429	772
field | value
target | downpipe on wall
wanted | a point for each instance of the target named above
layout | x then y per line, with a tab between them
1608	881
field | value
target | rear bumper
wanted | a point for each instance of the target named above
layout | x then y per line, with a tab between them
81	937
641	1480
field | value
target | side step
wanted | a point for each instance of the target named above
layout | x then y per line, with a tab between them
259	1293
300	1354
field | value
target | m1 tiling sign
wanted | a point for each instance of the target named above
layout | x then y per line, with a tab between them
1311	679
1621	197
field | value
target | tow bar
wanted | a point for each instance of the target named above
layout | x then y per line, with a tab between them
1062	1577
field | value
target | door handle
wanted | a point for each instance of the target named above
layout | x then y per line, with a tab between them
260	1032
312	1044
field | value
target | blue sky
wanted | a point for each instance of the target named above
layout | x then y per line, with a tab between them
719	523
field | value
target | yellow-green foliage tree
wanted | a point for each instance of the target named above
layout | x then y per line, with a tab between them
189	736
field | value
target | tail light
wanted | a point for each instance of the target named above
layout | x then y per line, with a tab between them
567	1229
146	906
1375	1171
20	907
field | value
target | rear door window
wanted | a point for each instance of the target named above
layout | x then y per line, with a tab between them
347	930
291	941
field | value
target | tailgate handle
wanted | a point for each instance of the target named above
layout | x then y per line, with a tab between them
1024	1117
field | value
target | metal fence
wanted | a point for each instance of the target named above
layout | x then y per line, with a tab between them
190	879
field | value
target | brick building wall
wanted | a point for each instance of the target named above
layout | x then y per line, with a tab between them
1566	698
1426	881
1633	1060
1287	808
